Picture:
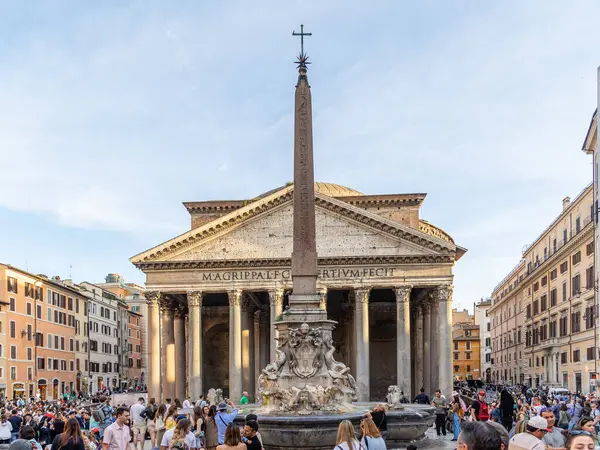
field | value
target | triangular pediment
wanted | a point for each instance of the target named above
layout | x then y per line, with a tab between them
263	230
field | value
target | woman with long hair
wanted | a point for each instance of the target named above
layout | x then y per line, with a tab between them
170	421
586	424
520	427
346	437
159	423
198	426
233	438
71	438
211	432
180	433
371	435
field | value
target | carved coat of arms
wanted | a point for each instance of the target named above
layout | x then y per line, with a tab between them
306	347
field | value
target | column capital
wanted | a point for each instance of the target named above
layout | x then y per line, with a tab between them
152	298
444	292
275	297
245	303
194	298
235	297
403	293
165	304
361	294
179	311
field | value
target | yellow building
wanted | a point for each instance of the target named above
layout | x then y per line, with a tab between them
543	314
466	356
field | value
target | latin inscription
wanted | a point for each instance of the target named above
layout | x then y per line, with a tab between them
285	274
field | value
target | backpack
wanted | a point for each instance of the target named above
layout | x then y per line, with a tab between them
98	415
483	411
179	445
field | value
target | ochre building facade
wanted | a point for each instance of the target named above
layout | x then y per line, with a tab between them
543	313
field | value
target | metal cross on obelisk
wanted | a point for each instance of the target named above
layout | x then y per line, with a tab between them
301	34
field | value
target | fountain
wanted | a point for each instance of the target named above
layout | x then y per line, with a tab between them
305	392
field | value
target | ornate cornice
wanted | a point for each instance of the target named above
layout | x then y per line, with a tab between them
287	262
385	225
253	209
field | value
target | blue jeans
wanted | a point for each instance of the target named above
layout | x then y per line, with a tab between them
455	425
14	435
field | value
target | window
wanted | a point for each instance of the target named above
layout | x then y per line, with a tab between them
468	344
589	249
13	304
536	307
589	317
12	285
13	329
456	368
39	339
563	324
576	322
528	311
564	267
553	329
576	285
13	352
544	281
71	365
565	236
13	373
138	348
553	274
576	356
71	344
589	277
590	353
41	363
577	225
455	355
536	287
455	345
468	368
563	358
468	355
577	258
564	292
544	302
38	310
553	297
29	357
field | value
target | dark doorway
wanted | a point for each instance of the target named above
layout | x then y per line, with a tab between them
216	358
382	342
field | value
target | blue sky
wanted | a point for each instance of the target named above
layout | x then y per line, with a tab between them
113	113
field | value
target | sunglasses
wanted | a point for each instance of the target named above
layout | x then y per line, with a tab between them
580	433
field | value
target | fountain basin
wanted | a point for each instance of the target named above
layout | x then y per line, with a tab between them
286	431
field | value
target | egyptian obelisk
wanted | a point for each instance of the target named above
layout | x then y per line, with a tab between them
304	298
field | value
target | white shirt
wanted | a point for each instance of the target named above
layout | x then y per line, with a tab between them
190	439
136	413
187	404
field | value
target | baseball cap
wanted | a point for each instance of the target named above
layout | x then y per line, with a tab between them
539	423
481	392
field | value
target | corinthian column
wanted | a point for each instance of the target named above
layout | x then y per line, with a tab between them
153	350
235	345
403	339
168	328
194	299
180	351
276	303
426	348
444	294
434	344
419	357
361	324
247	346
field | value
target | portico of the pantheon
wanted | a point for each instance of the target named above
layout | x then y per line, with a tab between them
385	275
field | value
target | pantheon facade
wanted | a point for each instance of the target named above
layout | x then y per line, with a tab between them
215	292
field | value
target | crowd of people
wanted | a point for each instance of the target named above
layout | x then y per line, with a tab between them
508	419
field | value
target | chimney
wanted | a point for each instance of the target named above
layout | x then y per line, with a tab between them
566	203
